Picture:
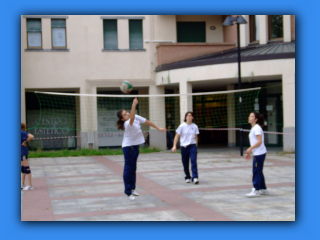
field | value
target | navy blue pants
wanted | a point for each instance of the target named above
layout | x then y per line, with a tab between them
257	168
187	152
130	166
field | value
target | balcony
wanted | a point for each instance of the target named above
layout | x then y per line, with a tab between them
174	52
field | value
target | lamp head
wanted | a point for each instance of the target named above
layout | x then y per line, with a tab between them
229	20
241	20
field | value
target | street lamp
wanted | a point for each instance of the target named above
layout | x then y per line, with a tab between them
229	22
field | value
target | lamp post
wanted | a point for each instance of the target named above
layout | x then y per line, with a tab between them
229	22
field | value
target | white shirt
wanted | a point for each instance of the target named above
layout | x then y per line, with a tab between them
133	134
187	134
261	149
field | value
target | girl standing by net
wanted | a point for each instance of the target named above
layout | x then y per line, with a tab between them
189	142
259	151
133	137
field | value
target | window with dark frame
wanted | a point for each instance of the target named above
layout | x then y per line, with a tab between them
191	32
254	28
110	34
135	34
58	33
34	33
275	27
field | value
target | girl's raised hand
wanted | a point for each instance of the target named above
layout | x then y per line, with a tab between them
135	101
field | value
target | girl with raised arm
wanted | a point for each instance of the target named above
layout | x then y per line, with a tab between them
133	137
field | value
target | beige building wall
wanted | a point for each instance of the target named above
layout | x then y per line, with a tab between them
85	59
165	27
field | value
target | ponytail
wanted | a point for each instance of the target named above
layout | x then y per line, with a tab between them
120	122
260	118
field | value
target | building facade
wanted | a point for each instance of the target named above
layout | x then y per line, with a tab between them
157	53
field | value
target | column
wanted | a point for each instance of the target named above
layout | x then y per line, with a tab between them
263	22
288	96
286	28
185	101
157	116
231	118
88	111
244	32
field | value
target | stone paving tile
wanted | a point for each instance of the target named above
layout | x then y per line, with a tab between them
105	203
211	155
278	206
173	215
281	158
222	178
149	156
69	170
87	190
42	161
202	164
62	160
84	180
161	156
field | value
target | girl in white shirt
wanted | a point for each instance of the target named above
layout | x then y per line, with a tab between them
188	142
133	137
259	151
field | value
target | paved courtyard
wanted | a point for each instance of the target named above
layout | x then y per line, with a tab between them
91	189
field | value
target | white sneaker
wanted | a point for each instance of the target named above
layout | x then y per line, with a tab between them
131	197
254	193
134	193
195	181
22	186
264	192
27	188
188	180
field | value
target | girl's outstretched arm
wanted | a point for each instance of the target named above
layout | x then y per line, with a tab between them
151	124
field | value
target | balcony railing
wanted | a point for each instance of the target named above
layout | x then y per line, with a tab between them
175	52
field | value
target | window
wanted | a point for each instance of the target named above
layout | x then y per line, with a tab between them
34	37
191	31
135	34
58	32
275	27
110	34
254	28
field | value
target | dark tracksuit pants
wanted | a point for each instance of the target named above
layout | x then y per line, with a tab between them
131	154
257	168
187	152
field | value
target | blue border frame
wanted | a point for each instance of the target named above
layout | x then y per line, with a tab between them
307	114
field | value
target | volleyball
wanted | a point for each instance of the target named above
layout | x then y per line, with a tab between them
126	87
